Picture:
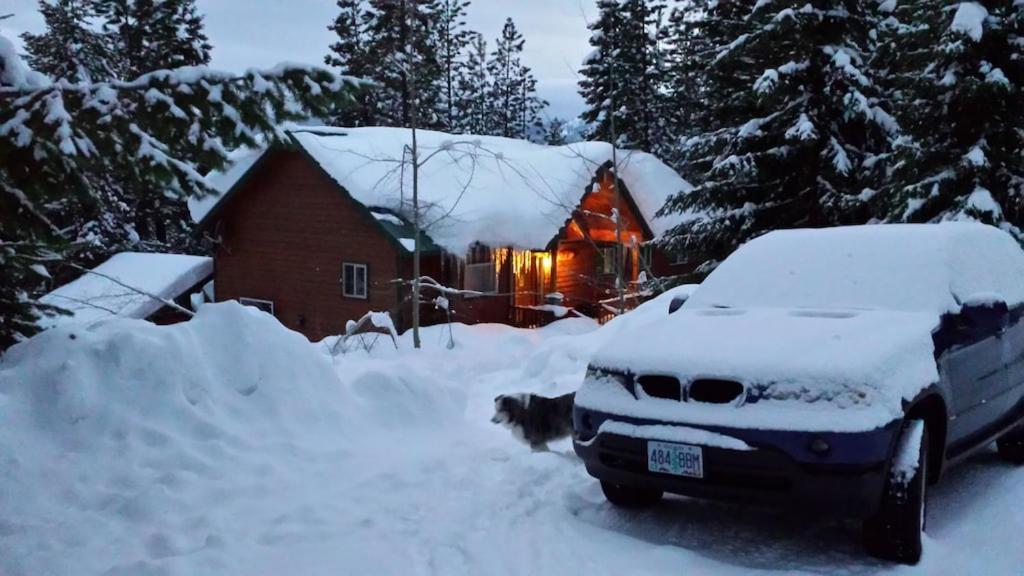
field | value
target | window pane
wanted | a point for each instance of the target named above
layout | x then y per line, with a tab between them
348	280
480	277
360	281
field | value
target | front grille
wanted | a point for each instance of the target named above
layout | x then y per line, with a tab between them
714	391
661	386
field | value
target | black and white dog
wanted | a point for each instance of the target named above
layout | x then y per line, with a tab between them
534	419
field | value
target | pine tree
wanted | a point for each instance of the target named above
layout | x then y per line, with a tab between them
392	26
68	49
349	55
453	38
149	35
60	139
686	61
186	43
514	104
503	68
474	91
795	122
143	36
554	133
956	78
528	107
103	40
623	76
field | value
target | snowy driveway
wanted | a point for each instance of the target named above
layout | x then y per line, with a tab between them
117	458
468	499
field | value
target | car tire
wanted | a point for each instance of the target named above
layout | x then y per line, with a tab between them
894	533
1011	446
630	496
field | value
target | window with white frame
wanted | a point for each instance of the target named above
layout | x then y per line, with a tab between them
481	277
265	305
354	280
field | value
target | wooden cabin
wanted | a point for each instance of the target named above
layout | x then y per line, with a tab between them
304	234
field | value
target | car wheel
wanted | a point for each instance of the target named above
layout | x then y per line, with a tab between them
630	496
894	533
1011	446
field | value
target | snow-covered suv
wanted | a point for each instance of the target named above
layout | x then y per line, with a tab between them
844	368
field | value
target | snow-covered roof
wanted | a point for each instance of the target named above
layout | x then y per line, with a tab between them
94	297
908	267
497	191
241	161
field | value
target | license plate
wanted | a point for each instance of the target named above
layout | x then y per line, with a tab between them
676	459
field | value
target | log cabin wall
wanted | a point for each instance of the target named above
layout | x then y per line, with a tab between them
284	239
579	273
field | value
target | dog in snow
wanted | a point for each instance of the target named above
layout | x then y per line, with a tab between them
536	420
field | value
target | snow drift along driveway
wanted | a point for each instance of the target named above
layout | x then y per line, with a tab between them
229	445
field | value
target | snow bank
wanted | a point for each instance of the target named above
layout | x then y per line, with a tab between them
500	191
94	297
124	438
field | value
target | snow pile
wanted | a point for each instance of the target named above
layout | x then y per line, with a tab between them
95	296
142	444
498	191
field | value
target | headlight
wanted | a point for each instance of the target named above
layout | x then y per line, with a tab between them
597	375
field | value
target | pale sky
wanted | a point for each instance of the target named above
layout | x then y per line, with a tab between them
261	33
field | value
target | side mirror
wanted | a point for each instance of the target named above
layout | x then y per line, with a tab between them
677	303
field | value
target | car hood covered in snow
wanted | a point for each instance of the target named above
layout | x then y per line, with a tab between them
802	366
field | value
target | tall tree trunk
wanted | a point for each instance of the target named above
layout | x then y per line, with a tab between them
413	118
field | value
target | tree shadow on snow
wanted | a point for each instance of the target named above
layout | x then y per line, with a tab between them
754	537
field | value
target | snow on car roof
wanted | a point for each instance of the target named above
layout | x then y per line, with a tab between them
93	297
497	191
911	267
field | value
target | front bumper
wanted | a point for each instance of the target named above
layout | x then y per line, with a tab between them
780	470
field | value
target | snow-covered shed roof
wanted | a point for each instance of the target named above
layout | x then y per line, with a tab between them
93	296
487	189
